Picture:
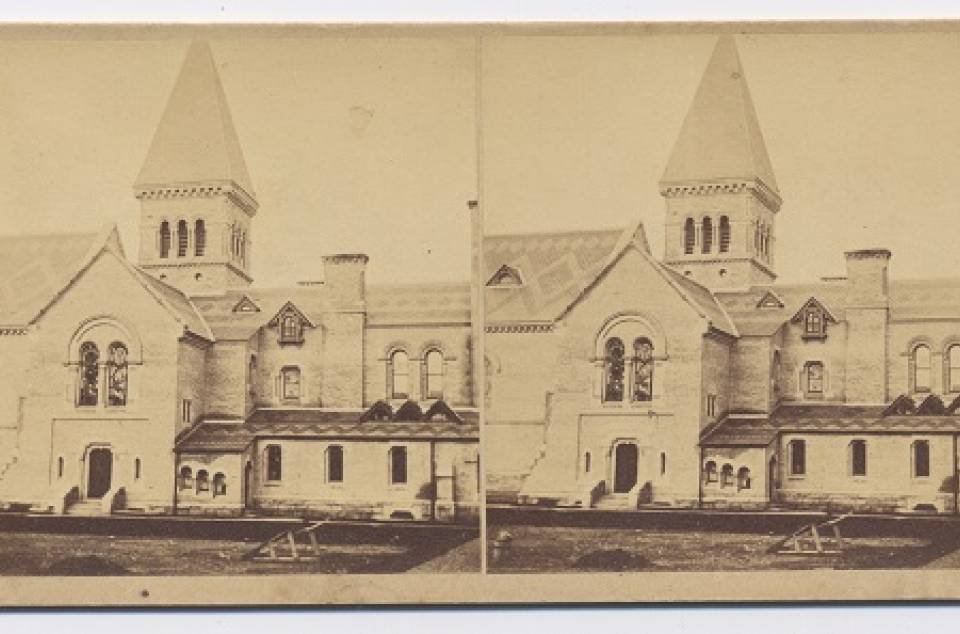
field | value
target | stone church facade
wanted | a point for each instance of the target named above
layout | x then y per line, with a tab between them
176	385
616	380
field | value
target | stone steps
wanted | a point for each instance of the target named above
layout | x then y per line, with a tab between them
86	508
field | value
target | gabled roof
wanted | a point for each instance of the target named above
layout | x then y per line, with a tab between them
195	141
812	304
770	300
506	275
743	305
721	137
562	268
290	307
246	305
37	270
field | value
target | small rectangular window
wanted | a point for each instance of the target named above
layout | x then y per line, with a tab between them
858	458
291	383
798	457
398	465
921	459
274	463
335	464
186	414
814	378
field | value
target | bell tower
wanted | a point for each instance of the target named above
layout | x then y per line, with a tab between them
196	200
720	191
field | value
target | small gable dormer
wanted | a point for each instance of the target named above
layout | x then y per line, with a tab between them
813	317
506	277
770	300
291	323
246	305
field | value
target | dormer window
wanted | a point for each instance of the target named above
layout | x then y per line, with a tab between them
290	329
813	318
290	324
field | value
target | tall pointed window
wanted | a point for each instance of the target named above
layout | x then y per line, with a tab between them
689	236
613	370
117	374
399	374
89	374
921	368
953	368
433	387
724	234
183	238
642	369
164	239
707	235
199	238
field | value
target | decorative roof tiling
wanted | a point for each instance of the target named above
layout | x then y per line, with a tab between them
924	298
750	319
759	431
210	436
403	304
35	268
555	268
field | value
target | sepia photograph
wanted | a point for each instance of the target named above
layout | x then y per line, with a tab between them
722	314
235	315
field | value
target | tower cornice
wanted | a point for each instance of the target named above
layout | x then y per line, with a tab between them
205	189
714	187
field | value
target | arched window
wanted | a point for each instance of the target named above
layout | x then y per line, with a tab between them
858	457
399	374
199	238
726	475
274	463
724	234
710	471
89	374
921	368
613	370
290	382
743	479
203	481
707	235
219	484
921	458
586	462
433	384
183	238
953	368
117	374
689	236
398	465
797	452
164	239
186	478
642	369
335	463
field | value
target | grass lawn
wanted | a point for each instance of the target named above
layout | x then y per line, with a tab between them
79	554
565	549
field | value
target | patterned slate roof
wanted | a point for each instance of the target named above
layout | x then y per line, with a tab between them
407	304
232	437
35	268
754	431
555	267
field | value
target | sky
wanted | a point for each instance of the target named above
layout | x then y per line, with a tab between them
862	131
369	143
353	144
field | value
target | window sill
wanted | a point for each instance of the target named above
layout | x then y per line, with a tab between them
796	477
272	483
813	337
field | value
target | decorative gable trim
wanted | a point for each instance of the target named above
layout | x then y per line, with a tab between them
813	317
812	304
506	277
287	308
246	305
770	300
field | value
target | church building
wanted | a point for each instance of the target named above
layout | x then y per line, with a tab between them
173	384
617	380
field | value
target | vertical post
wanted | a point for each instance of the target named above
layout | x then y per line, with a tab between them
433	481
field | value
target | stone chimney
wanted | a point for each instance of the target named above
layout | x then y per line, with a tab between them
344	278
867	317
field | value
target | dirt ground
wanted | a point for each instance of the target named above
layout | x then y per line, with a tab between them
564	549
73	554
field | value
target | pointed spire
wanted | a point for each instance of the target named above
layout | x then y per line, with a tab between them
721	137
195	141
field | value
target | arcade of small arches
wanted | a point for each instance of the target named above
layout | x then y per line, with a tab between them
398	371
201	484
709	237
192	240
724	478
